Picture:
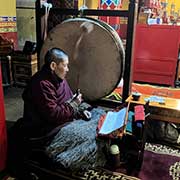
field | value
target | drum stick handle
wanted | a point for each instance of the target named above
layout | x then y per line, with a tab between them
76	49
78	77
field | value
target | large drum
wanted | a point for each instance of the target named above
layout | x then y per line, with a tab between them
96	58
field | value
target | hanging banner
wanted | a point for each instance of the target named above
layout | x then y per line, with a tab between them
112	5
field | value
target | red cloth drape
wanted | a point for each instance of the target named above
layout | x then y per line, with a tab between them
3	134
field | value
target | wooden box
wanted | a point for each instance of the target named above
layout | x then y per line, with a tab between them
23	67
22	71
20	56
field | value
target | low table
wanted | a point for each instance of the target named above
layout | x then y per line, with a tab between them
168	111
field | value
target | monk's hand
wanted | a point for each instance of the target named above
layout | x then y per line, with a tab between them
75	101
78	99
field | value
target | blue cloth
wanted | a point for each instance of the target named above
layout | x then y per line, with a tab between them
129	122
157	99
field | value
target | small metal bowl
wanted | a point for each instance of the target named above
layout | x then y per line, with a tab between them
136	96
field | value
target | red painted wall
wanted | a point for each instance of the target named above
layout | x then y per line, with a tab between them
156	54
13	37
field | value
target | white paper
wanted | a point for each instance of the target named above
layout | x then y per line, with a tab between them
113	121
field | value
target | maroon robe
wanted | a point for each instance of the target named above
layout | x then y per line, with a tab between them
45	104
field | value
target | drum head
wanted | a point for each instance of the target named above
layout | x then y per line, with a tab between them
98	65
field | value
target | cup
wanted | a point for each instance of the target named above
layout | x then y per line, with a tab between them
115	156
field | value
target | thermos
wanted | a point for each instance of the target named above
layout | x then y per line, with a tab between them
115	156
138	129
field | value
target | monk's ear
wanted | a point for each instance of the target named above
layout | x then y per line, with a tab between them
53	65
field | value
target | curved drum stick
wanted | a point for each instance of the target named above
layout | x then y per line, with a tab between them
86	28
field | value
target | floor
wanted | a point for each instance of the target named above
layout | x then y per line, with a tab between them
13	110
13	104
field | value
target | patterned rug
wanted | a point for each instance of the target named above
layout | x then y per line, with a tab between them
102	174
160	163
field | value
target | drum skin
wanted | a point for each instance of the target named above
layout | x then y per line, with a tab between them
99	62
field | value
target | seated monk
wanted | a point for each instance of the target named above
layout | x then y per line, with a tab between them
48	104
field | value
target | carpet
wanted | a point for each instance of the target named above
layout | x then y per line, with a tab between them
160	163
103	174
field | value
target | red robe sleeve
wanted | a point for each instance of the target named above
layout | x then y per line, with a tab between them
51	103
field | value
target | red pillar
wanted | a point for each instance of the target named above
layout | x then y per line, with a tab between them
3	134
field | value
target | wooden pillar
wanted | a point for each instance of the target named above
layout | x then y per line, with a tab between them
38	30
131	27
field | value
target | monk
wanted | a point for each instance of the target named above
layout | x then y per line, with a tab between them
48	99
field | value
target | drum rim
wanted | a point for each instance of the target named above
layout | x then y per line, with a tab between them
114	36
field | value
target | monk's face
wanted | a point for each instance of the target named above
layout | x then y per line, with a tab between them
61	68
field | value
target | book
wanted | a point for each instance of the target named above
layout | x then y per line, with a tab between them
113	121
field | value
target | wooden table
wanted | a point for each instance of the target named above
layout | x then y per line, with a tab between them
169	111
